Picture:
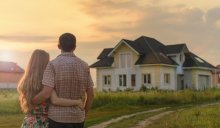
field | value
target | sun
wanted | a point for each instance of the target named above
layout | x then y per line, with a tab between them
5	56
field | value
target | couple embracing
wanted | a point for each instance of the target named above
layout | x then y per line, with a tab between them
57	93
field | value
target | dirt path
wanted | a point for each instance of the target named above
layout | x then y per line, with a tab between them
104	124
148	121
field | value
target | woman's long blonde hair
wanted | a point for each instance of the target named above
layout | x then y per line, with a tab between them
30	84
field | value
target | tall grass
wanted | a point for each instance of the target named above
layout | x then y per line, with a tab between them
9	103
9	99
155	97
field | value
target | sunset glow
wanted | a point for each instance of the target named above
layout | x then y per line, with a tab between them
28	25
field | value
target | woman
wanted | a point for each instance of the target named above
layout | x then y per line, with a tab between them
30	85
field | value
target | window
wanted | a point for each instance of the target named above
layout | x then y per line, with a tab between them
146	78
122	80
107	80
167	78
133	80
125	60
199	59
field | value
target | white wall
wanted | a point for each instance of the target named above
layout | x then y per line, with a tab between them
8	85
157	77
191	77
173	78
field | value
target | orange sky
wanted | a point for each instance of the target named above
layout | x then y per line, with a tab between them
28	25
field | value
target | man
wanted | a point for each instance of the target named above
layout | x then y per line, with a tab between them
69	76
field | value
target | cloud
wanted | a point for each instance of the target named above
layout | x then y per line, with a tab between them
103	8
213	17
22	38
178	23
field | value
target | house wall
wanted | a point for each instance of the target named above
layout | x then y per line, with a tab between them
173	78
157	77
9	80
100	72
157	73
215	79
188	79
191	77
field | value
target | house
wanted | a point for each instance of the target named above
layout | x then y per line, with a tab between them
147	62
10	74
216	76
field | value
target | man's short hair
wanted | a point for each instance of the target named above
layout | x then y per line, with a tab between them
67	42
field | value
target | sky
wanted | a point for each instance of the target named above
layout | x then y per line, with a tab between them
27	25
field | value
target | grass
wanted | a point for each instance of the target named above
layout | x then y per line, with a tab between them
9	102
156	97
11	121
112	104
197	117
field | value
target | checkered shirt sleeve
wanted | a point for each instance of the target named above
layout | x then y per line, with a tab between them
49	76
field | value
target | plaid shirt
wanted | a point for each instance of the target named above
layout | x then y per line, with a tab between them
70	78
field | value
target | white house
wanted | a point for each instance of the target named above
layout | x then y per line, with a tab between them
147	62
10	74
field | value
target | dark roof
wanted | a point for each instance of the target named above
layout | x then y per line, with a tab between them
173	49
105	62
10	67
104	59
104	53
134	45
151	51
193	60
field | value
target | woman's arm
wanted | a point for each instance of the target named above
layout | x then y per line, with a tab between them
65	102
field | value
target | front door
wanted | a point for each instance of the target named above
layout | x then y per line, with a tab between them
180	82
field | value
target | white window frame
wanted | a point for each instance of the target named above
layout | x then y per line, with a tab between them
122	77
147	79
167	78
126	59
106	80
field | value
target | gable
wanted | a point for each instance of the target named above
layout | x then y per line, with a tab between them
123	46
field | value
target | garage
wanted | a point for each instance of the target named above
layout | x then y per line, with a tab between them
204	82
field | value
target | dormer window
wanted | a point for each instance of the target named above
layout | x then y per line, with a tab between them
198	59
125	60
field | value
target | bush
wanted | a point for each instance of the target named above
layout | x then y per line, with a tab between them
143	89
